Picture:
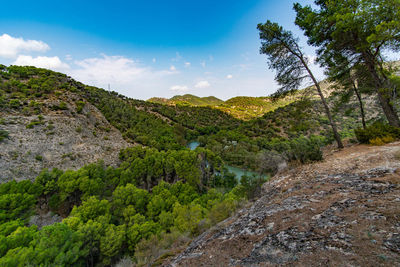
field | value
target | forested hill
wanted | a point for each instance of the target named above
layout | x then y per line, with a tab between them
241	107
35	100
187	99
23	90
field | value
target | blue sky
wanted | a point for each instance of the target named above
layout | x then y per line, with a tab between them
147	48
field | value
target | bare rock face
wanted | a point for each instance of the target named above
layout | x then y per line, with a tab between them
344	211
63	139
45	219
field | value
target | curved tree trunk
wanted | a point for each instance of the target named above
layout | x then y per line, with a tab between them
383	94
326	107
361	104
388	108
331	121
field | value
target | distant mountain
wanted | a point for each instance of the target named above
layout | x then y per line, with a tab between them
246	107
188	99
241	107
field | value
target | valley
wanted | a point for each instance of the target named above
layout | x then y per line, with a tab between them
295	163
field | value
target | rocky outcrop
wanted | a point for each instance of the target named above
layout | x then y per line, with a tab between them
344	211
63	138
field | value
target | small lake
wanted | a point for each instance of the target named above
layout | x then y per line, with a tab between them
192	145
235	170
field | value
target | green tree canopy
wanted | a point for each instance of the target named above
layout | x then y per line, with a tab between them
353	32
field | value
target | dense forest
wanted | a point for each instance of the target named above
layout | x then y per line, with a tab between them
162	194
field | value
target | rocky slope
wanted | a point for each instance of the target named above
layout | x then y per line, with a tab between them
61	138
343	211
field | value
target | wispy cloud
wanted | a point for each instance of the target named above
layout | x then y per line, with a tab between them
53	63
202	84
179	88
229	76
115	69
11	47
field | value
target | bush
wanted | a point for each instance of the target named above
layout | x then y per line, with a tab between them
301	149
61	106
3	135
378	133
14	103
306	149
79	106
251	186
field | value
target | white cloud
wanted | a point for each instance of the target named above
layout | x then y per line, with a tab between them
203	64
109	69
229	76
125	75
179	88
53	63
154	60
172	68
10	46
202	84
187	64
68	57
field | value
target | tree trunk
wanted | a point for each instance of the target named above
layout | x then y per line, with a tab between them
361	104
326	107
383	95
388	109
328	113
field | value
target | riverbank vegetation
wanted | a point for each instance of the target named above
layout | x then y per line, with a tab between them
110	212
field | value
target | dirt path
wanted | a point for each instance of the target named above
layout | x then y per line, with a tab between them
344	211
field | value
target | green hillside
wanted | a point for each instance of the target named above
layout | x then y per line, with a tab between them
240	107
187	99
246	108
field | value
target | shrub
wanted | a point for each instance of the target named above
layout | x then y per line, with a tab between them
306	149
3	135
60	106
251	186
79	106
55	202
14	103
33	123
376	133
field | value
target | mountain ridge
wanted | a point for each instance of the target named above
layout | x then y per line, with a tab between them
241	107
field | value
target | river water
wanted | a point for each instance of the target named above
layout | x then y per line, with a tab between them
239	172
